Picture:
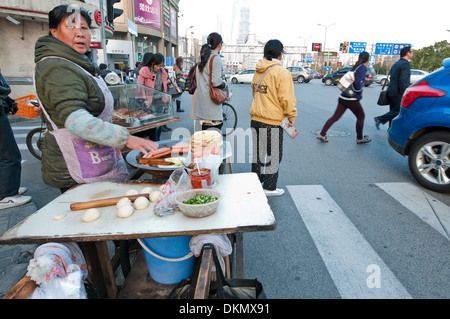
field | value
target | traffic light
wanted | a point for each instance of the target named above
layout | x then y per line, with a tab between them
317	47
111	12
139	57
341	47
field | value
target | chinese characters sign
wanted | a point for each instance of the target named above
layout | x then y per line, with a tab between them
389	48
148	13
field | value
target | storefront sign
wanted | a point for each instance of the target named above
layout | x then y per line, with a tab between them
98	20
96	39
173	22
166	17
148	12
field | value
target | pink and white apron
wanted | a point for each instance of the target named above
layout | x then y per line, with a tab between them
89	162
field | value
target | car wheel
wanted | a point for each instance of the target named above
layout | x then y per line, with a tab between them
384	82
301	79
307	81
328	82
234	81
429	161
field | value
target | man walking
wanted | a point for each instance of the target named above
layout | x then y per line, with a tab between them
400	80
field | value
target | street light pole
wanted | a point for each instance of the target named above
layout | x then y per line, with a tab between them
186	45
304	44
325	40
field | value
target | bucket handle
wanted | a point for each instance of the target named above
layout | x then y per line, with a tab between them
189	255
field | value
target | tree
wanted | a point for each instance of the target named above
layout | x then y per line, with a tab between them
430	58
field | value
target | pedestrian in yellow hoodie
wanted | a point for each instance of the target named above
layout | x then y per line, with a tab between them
273	100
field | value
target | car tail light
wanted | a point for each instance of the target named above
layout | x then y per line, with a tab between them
370	76
420	89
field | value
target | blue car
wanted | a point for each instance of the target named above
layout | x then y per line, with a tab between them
421	131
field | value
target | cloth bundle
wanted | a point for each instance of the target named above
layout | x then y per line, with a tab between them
221	243
59	269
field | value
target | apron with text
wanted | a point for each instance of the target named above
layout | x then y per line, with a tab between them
86	161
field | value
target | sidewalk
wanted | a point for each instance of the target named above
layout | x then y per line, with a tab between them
14	258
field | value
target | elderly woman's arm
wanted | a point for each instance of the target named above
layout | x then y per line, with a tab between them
88	127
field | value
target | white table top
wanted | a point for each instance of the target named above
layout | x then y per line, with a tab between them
244	208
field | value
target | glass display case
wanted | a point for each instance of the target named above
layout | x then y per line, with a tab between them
136	105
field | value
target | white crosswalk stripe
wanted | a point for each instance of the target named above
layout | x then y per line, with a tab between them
356	269
429	209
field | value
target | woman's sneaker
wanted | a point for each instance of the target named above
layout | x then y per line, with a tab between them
364	140
276	192
323	139
13	201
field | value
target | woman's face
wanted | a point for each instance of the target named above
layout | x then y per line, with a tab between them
157	67
74	32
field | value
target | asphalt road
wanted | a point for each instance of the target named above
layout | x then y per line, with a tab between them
351	223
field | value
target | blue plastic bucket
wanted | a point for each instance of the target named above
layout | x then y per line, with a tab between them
169	259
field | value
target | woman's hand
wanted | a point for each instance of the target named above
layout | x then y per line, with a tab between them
291	123
141	144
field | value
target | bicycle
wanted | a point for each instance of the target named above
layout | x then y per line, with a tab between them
229	121
35	138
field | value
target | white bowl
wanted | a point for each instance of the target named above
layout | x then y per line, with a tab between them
197	210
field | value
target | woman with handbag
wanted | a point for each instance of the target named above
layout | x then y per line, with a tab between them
208	112
273	100
351	102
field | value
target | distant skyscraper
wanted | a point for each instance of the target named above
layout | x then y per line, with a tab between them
244	24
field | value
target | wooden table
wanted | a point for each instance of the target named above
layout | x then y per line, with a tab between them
244	208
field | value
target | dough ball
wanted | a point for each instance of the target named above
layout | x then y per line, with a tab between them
90	215
123	201
131	192
125	211
154	196
146	190
141	203
58	217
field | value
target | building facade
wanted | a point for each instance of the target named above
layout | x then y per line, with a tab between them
144	26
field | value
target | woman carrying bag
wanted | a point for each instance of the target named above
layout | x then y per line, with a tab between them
206	110
352	103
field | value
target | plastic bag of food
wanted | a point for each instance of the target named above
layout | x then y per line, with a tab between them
179	181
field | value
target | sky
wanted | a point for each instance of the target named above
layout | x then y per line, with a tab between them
295	22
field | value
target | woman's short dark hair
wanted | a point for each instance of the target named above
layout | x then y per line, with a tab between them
59	13
273	49
157	58
146	59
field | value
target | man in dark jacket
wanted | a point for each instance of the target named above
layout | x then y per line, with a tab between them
399	82
10	157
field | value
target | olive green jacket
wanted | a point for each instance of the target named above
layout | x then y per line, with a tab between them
63	88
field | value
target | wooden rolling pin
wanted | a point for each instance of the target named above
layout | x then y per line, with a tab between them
105	202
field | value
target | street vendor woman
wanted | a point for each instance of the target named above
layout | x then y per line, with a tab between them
82	145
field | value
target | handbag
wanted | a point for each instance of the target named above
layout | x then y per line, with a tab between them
345	84
383	99
223	288
217	95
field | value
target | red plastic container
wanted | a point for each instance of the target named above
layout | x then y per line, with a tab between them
201	179
26	110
